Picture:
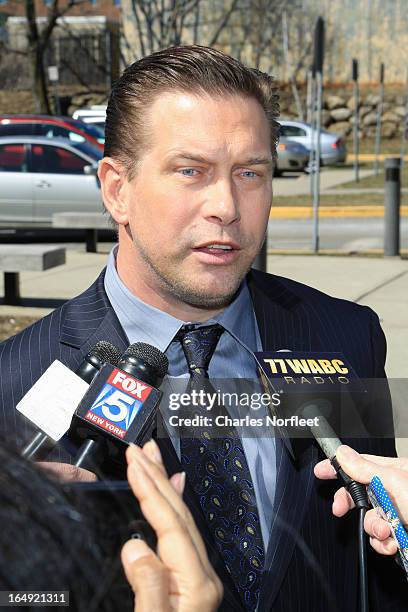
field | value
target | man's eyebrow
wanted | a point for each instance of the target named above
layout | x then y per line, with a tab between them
252	161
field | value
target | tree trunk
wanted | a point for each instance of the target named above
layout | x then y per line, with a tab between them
36	51
40	86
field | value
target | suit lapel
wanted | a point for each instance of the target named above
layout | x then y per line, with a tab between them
284	324
90	318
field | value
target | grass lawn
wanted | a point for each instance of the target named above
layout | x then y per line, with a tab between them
374	182
354	199
387	146
331	200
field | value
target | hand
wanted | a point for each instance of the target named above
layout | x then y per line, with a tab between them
179	577
392	471
64	472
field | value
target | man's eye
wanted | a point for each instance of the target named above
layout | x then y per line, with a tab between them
249	174
188	171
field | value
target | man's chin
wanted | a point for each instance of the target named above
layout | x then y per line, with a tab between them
207	296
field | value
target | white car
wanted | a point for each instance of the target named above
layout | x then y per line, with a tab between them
41	176
333	148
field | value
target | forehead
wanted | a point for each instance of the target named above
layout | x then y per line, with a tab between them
229	123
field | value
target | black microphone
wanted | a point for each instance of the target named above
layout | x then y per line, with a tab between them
318	386
316	389
328	441
103	352
119	408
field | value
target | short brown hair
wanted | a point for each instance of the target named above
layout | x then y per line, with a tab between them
187	68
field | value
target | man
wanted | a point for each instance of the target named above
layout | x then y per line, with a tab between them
190	147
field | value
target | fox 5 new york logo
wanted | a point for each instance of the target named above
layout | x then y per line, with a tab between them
118	403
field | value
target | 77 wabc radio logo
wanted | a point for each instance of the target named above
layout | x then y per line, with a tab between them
118	403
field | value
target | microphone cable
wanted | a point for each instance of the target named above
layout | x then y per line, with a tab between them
359	495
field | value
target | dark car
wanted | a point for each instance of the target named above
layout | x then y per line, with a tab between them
51	127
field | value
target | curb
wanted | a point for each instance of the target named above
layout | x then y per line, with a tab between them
371	157
306	212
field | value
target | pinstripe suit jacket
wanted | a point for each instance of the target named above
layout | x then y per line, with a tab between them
311	562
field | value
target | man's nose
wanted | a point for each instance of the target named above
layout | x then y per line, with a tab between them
221	203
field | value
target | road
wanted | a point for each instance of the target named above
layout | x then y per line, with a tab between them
352	234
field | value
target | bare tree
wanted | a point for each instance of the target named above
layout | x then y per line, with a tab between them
38	41
163	23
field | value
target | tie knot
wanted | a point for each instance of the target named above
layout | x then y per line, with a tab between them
199	344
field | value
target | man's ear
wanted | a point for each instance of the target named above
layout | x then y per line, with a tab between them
112	176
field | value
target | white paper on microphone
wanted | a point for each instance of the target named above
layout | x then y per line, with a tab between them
53	399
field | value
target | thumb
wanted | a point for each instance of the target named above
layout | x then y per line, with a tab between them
355	465
146	575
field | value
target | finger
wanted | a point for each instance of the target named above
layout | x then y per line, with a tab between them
355	465
324	470
64	472
171	527
342	502
147	576
152	451
178	480
167	490
396	462
376	527
386	547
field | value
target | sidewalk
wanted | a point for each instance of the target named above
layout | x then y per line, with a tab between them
329	180
379	283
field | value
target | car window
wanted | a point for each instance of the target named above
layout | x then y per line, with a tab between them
16	129
58	131
56	160
89	128
12	158
291	130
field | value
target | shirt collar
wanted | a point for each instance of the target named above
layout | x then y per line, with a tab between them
145	323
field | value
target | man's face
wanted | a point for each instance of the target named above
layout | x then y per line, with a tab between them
199	204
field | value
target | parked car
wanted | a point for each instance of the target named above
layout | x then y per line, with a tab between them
94	115
40	176
333	147
292	156
51	127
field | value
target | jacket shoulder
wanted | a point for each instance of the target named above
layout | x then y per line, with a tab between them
333	324
302	295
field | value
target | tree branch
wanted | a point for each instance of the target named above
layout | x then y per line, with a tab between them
223	23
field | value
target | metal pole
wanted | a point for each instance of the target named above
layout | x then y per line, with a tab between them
378	127
404	129
392	199
108	59
309	96
312	165
316	175
356	140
